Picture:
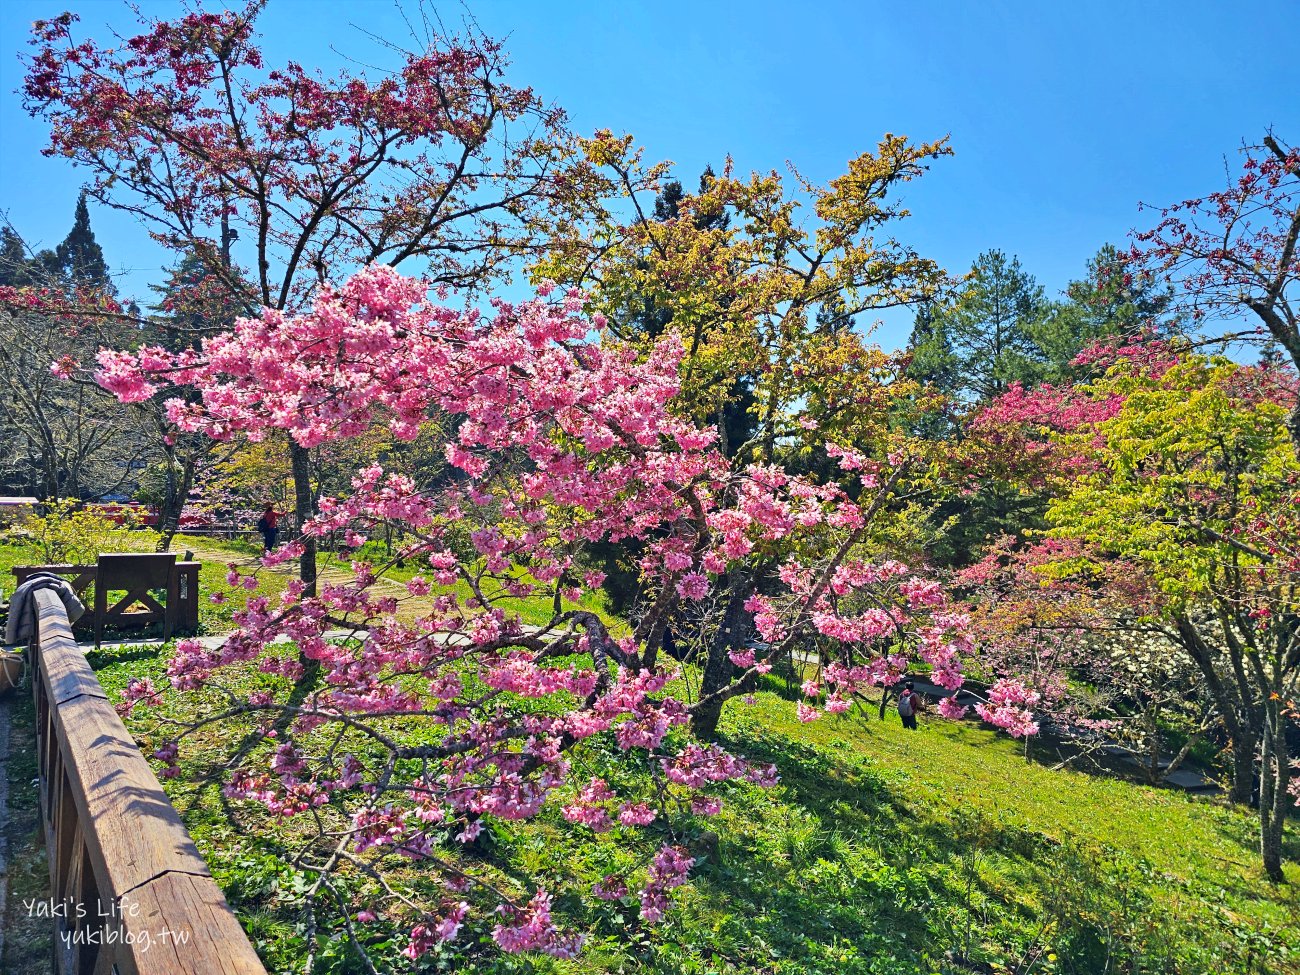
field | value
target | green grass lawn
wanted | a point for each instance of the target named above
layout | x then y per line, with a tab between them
881	851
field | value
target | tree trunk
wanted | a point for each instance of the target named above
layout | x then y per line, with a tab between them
180	478
1240	720
49	472
1273	796
718	668
1242	789
1153	746
304	498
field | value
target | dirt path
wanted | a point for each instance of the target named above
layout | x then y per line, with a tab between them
328	571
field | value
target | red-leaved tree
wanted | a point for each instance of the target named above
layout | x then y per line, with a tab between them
1237	250
438	162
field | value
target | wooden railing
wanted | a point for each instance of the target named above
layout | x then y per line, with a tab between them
130	893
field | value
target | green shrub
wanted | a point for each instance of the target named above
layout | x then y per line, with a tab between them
70	533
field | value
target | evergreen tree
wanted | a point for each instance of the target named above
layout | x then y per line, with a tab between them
990	328
18	270
972	349
14	271
80	258
668	202
1272	356
932	359
1109	302
649	317
196	301
932	364
833	315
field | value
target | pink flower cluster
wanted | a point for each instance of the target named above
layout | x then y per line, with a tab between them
1010	707
532	929
668	870
596	454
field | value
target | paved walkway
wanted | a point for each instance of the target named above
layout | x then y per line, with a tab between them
211	641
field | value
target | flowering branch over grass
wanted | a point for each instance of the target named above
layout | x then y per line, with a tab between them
449	713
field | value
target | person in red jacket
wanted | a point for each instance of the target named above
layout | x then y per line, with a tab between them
269	526
909	703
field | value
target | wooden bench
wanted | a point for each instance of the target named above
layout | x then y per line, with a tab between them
183	587
134	895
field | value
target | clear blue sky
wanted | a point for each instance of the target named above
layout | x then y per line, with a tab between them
1063	115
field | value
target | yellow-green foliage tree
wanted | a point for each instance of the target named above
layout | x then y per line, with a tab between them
760	282
763	281
1183	465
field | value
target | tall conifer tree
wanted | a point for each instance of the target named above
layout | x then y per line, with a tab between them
81	259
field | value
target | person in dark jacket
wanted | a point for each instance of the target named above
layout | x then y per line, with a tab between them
269	526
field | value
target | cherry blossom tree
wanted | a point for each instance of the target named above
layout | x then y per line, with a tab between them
1080	630
1237	250
440	162
561	441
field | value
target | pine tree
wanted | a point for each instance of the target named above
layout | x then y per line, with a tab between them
833	315
990	328
932	360
80	258
196	301
14	271
651	318
668	202
1109	302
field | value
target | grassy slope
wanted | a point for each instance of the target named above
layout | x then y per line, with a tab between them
881	851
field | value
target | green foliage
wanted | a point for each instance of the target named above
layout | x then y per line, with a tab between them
984	339
80	257
1173	468
1000	329
152	489
1111	301
69	533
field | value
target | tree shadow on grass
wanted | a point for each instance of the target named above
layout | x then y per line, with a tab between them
814	779
974	888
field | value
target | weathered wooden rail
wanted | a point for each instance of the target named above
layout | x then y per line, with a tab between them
130	893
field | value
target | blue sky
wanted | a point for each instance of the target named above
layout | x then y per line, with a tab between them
1063	115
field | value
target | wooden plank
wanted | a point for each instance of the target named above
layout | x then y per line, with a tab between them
61	569
188	927
115	838
82	575
63	666
187	588
116	792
